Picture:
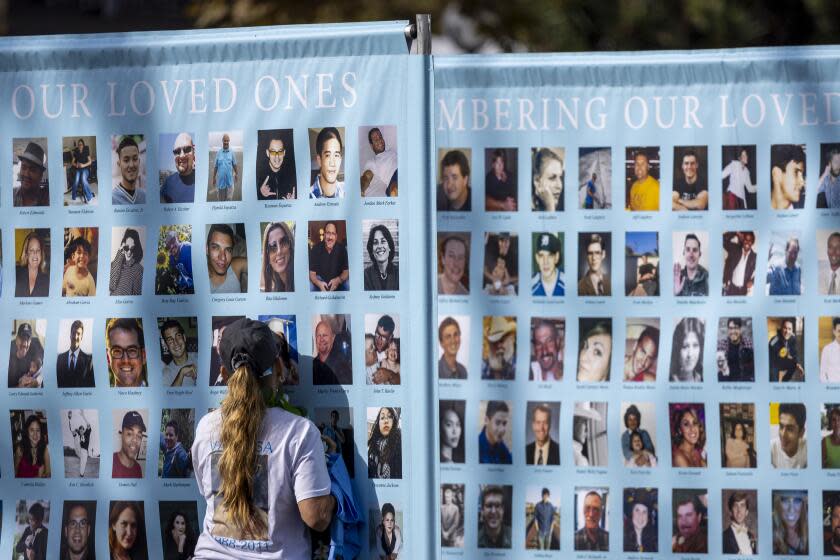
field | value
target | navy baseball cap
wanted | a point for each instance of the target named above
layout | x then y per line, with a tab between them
250	342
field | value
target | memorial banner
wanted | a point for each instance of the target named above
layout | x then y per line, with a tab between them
153	188
639	304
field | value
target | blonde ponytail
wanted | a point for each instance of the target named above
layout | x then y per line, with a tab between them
242	415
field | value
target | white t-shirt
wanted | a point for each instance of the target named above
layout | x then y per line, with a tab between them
383	166
291	468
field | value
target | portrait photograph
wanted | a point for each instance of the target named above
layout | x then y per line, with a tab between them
81	257
378	161
501	188
690	525
735	351
382	349
225	160
595	178
336	423
179	528
129	437
548	349
178	341
542	433
737	436
790	522
687	351
329	266
32	269
594	349
326	155
30	175
690	251
739	262
687	422
589	434
641	349
547	265
177	433
594	268
640	520
452	515
787	176
384	442
26	353
501	264
739	519
277	267
454	187
638	434
453	273
31	443
642	176
592	520
495	437
495	516
126	352
80	438
74	364
176	174
78	157
174	264
498	348
548	173
788	437
828	186
227	258
128	169
387	531
127	530
331	350
738	177
217	326
831	522
381	255
284	328
828	261
830	435
32	518
451	421
690	190
126	278
829	344
786	347
454	352
78	530
641	263
276	175
784	264
542	517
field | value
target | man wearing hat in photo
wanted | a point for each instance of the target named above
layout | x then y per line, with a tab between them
33	163
125	464
499	354
24	350
549	279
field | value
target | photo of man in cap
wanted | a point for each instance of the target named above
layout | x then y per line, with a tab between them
548	279
125	463
498	360
26	357
30	165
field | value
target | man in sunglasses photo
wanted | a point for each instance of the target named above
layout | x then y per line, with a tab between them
180	187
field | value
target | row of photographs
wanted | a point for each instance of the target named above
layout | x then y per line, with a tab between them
178	156
734	349
688	444
179	529
786	530
226	255
690	275
644	176
85	442
129	362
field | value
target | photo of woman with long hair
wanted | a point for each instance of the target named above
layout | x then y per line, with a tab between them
384	443
127	264
451	431
278	257
688	435
388	535
127	531
687	351
32	455
595	350
790	522
32	273
178	537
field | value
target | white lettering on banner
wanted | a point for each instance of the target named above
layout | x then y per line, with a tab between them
450	118
232	92
80	101
132	97
197	97
170	101
325	95
44	89
15	110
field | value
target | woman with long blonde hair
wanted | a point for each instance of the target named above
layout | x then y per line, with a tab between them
261	470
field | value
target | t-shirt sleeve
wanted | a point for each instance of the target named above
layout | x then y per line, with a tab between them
345	261
309	474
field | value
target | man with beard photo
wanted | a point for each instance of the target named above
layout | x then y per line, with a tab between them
499	360
276	173
691	279
493	532
828	192
735	355
547	350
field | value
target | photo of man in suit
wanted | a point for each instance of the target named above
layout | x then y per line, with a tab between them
74	367
739	263
543	450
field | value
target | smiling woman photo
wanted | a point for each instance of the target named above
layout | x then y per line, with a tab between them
127	531
595	350
383	273
688	436
278	258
